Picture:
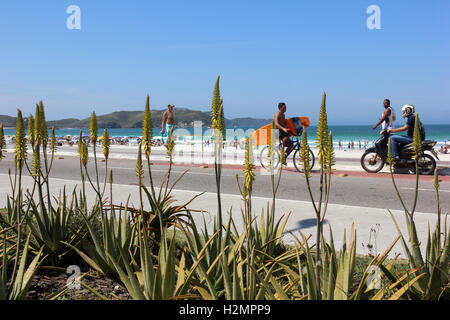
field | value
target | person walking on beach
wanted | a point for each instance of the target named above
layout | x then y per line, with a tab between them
168	121
280	123
340	144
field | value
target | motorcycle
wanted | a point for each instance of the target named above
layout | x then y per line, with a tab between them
374	159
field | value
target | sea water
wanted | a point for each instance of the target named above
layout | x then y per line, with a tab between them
365	134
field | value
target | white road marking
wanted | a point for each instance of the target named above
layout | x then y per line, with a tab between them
174	171
420	189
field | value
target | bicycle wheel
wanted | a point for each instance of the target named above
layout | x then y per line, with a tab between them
264	158
298	163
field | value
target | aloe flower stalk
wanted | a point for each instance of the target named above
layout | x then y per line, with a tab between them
271	145
139	167
217	154
42	125
36	163
330	158
21	143
31	131
304	155
53	144
93	130
147	135
390	158
221	120
80	140
249	168
2	141
37	123
147	139
417	141
215	103
170	145
84	154
106	144
322	131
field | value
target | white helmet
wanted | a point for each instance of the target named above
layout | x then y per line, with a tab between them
407	110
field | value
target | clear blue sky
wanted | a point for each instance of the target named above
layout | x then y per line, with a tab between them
265	52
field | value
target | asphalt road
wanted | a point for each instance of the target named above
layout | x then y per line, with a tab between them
354	189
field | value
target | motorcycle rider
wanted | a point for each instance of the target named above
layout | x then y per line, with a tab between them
408	112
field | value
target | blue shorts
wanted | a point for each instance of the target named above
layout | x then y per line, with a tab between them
167	130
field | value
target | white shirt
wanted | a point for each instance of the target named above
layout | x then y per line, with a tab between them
389	123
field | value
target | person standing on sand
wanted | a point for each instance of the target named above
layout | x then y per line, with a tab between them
280	123
168	121
340	144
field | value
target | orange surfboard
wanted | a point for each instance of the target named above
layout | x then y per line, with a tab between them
295	125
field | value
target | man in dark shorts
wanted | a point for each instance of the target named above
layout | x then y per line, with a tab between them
280	123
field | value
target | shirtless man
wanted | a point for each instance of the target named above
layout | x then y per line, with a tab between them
168	120
280	123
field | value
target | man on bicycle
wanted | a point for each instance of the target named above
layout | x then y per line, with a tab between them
280	123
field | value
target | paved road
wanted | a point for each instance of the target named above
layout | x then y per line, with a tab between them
375	191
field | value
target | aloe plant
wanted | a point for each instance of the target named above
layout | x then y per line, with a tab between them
434	284
16	285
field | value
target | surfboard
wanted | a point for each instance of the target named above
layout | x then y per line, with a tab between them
295	126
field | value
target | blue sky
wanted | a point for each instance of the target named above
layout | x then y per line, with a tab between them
265	52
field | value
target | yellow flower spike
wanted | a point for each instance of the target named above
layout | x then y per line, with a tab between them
106	143
271	145
93	130
2	141
221	120
322	131
304	155
36	163
417	141
436	180
249	166
53	144
147	135
215	103
84	155
170	144
21	143
139	167
42	125
83	150
282	156
31	130
390	158
80	140
331	158
36	127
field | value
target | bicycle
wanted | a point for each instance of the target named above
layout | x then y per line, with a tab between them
264	156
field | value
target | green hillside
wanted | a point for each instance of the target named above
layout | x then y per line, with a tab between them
8	121
133	119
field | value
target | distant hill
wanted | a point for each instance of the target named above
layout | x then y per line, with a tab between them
8	121
133	119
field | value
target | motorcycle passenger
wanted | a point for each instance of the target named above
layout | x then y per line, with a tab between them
387	120
397	142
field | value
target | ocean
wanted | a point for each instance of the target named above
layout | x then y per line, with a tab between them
439	133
